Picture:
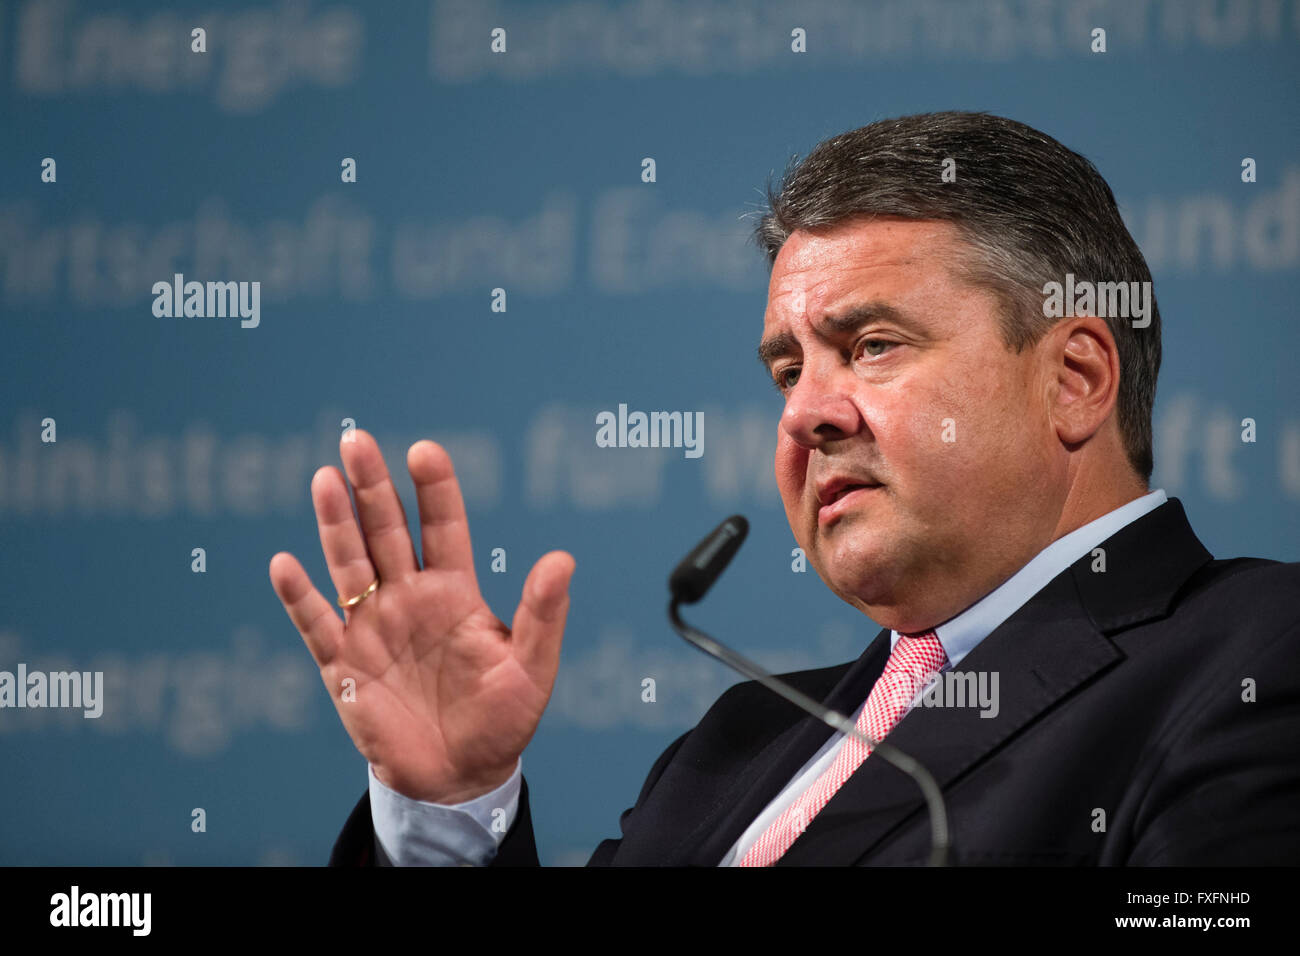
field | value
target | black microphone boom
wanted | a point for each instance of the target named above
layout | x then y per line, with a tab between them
692	579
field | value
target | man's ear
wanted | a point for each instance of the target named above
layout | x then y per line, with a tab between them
1084	367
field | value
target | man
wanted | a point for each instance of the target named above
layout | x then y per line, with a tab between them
966	469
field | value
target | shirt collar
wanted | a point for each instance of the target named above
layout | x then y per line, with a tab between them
960	634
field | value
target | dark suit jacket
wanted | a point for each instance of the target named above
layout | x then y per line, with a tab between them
1120	691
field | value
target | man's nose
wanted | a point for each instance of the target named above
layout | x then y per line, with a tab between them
819	408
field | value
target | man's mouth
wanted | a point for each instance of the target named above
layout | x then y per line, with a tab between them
843	499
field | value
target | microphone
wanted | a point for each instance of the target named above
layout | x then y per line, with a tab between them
691	580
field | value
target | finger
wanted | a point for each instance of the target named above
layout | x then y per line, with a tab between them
383	522
444	529
313	615
543	608
340	538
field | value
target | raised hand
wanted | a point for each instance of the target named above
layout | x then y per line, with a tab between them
447	696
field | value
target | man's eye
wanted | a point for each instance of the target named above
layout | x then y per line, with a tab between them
783	384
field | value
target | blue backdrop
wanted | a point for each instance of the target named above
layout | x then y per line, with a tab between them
520	171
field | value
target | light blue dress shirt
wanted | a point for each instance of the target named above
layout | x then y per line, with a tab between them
417	833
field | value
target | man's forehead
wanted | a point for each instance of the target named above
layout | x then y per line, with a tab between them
816	268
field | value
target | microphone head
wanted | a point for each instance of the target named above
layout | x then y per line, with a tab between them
692	579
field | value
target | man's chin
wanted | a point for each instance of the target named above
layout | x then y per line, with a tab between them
860	577
863	592
851	540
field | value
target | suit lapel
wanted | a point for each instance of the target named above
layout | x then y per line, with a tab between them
1038	658
1049	647
771	769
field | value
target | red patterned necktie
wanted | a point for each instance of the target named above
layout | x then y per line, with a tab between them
913	661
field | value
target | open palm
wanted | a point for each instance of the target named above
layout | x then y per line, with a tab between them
443	697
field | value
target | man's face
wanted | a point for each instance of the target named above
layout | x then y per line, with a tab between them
917	396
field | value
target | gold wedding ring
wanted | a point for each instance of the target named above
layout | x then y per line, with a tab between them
353	602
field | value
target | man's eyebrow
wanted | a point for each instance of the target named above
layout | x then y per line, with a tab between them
784	343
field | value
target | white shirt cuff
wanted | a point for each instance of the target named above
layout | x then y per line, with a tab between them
417	833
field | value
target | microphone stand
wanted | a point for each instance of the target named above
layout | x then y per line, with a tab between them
939	839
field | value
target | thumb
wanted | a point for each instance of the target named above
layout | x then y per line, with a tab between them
538	627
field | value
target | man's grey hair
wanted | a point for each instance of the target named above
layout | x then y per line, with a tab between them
1030	210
